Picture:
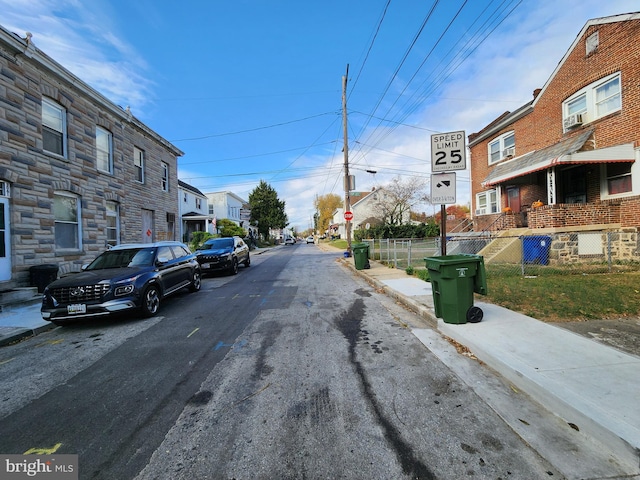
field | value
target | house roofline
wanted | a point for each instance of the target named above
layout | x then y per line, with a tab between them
191	188
501	123
227	192
26	47
623	17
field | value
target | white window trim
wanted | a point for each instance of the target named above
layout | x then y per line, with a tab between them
109	150
635	181
590	114
138	163
114	213
501	147
488	209
63	111
165	177
78	224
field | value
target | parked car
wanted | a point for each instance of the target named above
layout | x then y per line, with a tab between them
289	241
310	239
125	277
224	253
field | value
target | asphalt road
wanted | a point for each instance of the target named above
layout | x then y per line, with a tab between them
291	369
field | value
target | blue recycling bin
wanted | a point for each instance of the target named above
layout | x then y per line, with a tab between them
535	249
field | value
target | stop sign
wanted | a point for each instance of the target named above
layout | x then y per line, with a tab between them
348	216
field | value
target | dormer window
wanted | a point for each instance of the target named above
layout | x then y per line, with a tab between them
502	147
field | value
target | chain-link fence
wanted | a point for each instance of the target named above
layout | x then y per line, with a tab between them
553	253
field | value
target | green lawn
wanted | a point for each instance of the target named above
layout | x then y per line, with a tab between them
568	297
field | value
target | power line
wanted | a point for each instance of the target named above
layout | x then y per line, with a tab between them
252	129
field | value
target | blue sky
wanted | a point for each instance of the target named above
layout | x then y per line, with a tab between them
252	89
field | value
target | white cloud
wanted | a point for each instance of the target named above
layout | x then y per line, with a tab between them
82	39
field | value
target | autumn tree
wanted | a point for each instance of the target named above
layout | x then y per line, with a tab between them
394	201
325	206
267	211
455	211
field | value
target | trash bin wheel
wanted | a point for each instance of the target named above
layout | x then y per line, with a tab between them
474	314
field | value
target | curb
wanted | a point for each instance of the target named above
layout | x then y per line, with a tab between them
419	309
22	333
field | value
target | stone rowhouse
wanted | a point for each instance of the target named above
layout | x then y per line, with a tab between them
77	172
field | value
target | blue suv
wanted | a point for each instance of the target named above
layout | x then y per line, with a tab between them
125	277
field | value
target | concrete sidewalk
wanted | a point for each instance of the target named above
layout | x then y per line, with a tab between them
21	321
593	387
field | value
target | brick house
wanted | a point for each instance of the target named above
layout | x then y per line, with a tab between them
77	172
573	149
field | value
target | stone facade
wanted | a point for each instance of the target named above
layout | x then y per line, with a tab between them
148	210
619	247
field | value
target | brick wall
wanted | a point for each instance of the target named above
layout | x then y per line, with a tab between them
618	51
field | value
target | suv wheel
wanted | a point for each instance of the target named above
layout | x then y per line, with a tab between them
196	282
150	301
247	262
234	267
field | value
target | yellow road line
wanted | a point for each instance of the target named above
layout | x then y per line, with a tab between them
43	451
194	331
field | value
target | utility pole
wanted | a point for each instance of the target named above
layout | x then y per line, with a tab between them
345	149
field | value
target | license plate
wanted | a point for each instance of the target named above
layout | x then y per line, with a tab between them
206	265
77	308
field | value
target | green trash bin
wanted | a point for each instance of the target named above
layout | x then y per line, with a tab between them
454	280
361	255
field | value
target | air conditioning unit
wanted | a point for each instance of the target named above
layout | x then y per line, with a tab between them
508	152
572	121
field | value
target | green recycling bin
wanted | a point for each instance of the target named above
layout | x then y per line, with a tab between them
454	280
361	255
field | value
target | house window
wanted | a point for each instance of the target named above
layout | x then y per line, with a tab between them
54	127
618	178
502	147
578	105
211	212
592	102
184	197
198	203
104	150
608	97
138	163
165	177
113	223
66	210
486	202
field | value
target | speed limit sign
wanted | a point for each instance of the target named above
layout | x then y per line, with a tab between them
448	152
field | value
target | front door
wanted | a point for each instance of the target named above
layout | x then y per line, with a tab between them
513	196
5	239
147	226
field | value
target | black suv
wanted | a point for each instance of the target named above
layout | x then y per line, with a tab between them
224	253
125	277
